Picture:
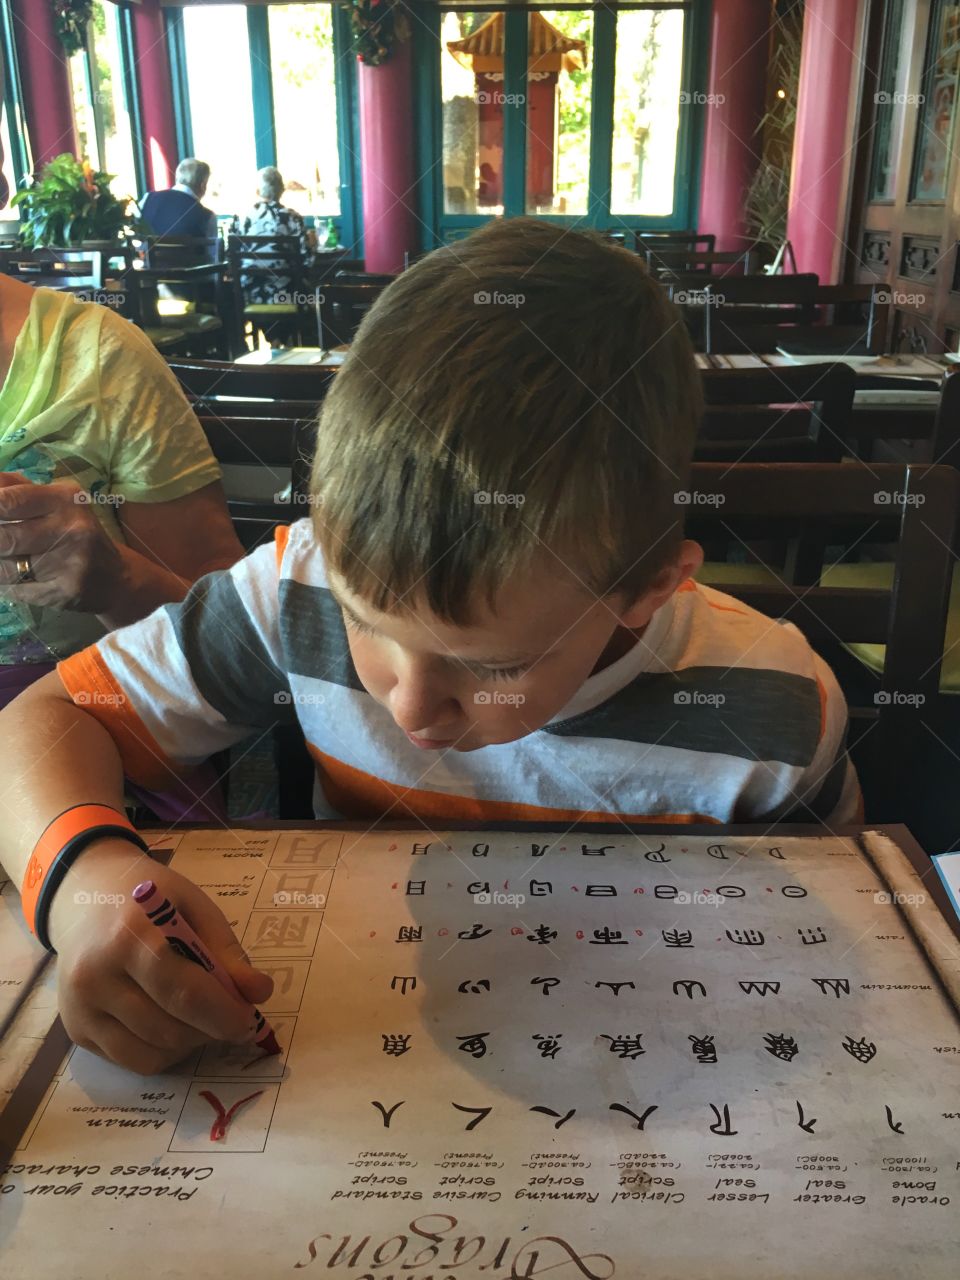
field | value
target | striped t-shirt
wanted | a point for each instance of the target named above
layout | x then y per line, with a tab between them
719	714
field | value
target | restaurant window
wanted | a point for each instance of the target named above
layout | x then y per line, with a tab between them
303	77
101	111
472	97
559	86
216	39
648	94
932	146
891	101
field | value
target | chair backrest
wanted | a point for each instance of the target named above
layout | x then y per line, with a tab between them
209	380
761	313
914	507
70	270
275	262
341	309
363	277
685	240
795	414
936	425
181	251
670	262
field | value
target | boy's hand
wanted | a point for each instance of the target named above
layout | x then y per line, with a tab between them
124	993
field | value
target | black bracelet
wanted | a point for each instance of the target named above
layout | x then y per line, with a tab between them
65	860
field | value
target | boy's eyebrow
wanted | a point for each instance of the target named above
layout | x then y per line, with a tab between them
515	660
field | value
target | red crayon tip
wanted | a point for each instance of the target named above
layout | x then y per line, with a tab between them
270	1044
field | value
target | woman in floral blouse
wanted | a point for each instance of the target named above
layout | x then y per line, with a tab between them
269	217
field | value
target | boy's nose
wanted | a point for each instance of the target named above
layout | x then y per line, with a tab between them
420	710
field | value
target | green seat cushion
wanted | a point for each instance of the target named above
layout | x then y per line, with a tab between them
162	337
871	575
271	309
195	322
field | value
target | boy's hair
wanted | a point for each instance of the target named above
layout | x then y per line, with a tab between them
526	393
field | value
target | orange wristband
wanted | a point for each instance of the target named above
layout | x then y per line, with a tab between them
56	851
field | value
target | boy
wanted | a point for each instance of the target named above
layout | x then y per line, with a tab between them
489	615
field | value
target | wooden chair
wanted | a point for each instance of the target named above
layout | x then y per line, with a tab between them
197	310
913	507
668	263
209	380
797	313
161	252
275	262
136	300
795	414
68	270
906	420
651	241
341	308
363	277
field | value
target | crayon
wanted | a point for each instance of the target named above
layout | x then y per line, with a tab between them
185	942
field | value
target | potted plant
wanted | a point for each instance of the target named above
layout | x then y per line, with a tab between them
71	204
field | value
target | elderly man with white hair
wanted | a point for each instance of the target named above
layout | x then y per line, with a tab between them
269	217
179	212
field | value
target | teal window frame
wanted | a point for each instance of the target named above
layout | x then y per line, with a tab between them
128	87
348	223
21	161
440	227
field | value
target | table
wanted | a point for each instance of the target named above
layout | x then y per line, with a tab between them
576	1050
323	358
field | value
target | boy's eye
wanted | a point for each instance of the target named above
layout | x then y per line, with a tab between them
356	625
502	673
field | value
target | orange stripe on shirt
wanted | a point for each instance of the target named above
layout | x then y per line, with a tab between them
282	537
689	584
360	795
822	690
91	685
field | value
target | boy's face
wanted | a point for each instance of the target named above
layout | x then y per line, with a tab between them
512	670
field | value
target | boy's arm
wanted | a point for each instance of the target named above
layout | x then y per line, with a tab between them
829	790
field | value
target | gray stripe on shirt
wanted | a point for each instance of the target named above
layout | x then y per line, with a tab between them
764	715
313	635
226	656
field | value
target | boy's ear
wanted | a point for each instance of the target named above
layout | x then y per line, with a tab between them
671	577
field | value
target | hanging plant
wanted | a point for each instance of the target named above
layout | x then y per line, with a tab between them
377	25
71	18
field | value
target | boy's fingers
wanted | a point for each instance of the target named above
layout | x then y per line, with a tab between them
214	928
189	994
146	1021
111	1040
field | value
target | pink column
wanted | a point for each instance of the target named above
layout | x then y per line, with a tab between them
736	96
45	77
822	151
156	94
386	157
